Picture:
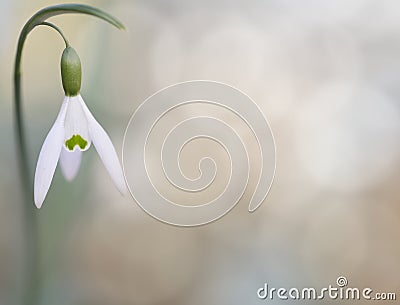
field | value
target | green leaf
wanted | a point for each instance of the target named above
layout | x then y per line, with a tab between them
61	9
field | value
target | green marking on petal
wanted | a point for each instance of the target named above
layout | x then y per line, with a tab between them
76	140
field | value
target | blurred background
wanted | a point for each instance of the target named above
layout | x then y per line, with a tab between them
326	75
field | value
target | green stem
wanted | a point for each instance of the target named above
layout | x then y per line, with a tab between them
32	280
53	26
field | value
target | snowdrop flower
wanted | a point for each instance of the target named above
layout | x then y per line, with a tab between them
73	132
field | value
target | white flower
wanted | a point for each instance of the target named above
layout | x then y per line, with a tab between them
73	132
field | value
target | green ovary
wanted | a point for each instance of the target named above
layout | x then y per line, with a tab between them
76	140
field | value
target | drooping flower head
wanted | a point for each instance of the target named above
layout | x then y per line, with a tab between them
73	132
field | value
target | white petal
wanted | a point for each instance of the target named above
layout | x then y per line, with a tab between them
70	162
76	124
48	157
105	149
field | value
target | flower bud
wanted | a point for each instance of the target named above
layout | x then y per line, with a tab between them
71	72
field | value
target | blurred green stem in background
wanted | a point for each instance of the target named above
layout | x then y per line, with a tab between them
32	279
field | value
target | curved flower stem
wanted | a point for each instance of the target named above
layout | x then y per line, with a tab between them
32	279
58	30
